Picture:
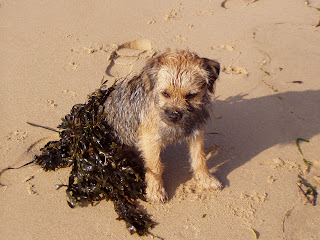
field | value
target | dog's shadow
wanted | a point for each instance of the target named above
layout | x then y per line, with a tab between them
243	128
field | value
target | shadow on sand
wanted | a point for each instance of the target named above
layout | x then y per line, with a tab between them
246	128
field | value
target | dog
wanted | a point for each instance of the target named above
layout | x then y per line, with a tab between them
167	102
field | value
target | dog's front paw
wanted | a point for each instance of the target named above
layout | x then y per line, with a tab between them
156	194
207	182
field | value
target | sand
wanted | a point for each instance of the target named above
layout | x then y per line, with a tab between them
54	53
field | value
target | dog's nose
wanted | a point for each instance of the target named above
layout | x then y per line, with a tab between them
174	115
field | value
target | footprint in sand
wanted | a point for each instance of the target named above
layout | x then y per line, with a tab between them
17	135
152	21
245	206
73	65
235	70
128	57
223	47
70	93
173	14
180	39
190	26
230	4
84	50
313	4
31	186
204	13
283	164
52	103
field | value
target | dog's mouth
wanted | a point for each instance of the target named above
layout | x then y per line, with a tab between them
173	117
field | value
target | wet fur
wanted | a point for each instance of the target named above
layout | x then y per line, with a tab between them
141	111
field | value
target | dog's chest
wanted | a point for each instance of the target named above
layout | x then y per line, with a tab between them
173	134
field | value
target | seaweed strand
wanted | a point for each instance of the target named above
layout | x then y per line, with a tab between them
101	168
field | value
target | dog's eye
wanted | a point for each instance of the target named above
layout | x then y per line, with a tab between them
191	95
165	94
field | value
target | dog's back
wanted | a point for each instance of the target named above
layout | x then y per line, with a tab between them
124	109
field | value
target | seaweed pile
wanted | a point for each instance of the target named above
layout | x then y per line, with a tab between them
101	168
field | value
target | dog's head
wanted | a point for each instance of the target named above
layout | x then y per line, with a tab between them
181	82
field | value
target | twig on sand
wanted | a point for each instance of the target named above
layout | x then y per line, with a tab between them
256	233
288	213
253	1
45	127
310	193
304	194
10	168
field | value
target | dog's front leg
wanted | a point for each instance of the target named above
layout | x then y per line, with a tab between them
150	149
198	163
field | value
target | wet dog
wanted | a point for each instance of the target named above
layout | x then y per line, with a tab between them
167	102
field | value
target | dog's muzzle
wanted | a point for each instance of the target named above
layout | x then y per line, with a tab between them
173	115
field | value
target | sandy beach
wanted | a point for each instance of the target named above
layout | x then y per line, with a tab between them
54	53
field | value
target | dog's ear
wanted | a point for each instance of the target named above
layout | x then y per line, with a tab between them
151	70
213	69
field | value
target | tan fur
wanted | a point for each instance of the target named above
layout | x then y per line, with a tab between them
167	103
198	163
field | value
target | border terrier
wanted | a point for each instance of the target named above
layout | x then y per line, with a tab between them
167	102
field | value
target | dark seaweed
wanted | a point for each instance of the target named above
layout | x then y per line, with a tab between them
101	168
309	191
306	162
